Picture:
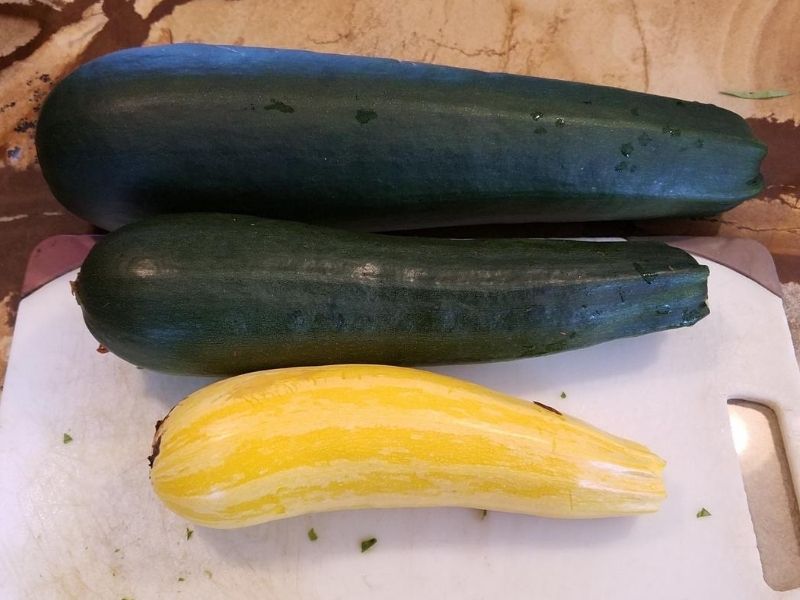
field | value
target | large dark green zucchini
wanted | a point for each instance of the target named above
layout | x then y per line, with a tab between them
373	143
223	294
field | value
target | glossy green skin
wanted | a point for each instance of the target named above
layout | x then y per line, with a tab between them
369	143
223	294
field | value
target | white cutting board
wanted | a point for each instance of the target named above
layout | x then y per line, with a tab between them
79	520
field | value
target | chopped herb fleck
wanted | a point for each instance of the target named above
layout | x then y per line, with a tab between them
563	395
181	579
367	544
208	573
189	533
312	535
116	550
484	514
67	438
703	513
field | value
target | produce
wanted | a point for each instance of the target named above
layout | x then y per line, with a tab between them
225	294
277	444
378	144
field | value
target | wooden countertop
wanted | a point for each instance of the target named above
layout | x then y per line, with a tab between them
690	50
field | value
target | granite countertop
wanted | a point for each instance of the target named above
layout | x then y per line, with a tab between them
680	49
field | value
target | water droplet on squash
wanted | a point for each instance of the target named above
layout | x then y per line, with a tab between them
536	115
560	122
647	277
692	315
626	149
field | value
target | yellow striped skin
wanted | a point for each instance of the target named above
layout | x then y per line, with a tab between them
276	444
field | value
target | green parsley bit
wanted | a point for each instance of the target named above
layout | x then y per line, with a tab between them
181	579
312	535
67	438
563	395
703	513
484	513
208	573
367	544
189	533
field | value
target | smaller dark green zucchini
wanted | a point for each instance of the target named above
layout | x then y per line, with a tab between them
223	294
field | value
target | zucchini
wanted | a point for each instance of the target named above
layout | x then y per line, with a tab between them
223	294
283	443
371	143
